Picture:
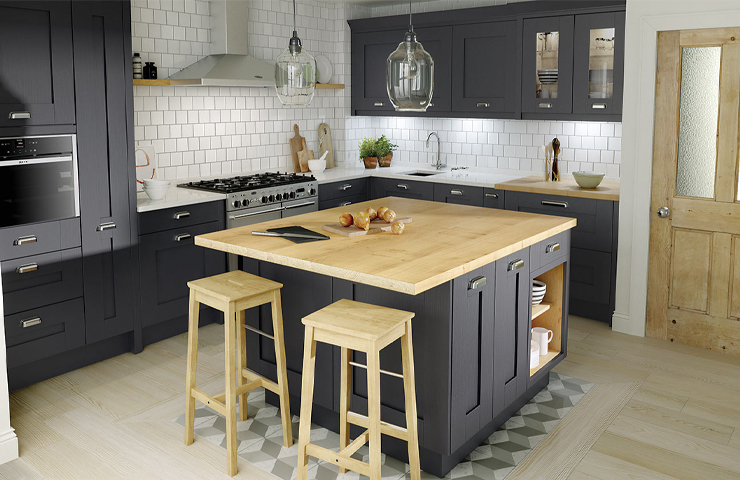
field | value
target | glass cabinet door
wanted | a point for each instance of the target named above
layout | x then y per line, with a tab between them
598	72
548	65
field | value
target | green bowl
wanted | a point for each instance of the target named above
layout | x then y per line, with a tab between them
588	179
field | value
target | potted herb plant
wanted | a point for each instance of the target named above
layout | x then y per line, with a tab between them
368	152
384	149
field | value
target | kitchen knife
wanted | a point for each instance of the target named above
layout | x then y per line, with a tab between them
291	235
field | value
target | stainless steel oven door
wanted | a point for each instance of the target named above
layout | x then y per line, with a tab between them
242	218
298	207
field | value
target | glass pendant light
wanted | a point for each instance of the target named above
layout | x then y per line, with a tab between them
410	74
295	73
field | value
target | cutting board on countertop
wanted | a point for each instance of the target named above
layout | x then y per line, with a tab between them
325	144
297	144
304	156
376	226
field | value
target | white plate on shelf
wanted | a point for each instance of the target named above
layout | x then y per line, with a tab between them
324	69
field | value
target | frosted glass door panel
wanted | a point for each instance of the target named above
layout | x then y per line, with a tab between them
697	123
548	45
601	63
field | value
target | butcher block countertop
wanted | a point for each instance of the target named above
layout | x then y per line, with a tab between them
443	242
567	187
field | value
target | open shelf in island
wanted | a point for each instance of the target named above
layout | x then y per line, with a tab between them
549	314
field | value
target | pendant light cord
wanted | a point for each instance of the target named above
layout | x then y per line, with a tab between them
411	27
294	29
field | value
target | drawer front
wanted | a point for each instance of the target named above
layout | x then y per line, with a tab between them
390	187
42	332
30	282
348	188
493	198
550	250
594	229
590	275
458	194
33	239
342	202
179	217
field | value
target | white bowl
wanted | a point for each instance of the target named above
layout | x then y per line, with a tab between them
317	166
538	285
151	182
156	193
588	179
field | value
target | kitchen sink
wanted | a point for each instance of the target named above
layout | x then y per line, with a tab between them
421	173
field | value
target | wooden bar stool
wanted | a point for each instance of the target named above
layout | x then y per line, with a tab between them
233	293
366	328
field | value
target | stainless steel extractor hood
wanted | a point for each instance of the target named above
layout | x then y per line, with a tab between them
229	63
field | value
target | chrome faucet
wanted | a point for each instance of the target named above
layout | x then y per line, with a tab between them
439	163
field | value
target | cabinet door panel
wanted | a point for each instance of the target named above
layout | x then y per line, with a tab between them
458	194
493	198
590	275
102	86
485	69
330	191
389	187
36	63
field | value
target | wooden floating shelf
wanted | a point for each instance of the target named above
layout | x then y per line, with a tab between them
331	86
165	82
538	310
544	360
156	83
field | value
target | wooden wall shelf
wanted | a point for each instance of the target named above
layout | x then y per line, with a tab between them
331	86
165	82
538	310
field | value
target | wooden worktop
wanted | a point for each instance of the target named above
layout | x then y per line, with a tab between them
443	242
567	187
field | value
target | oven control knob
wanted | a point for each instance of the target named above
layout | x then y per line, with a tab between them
292	194
272	198
264	199
278	197
312	191
237	204
245	203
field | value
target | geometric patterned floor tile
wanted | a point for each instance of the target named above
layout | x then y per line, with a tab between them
260	438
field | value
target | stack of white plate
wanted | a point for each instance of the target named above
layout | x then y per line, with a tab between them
538	292
548	76
534	354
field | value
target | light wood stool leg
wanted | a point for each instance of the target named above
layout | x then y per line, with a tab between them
409	389
191	367
373	412
241	346
304	431
344	401
282	373
230	322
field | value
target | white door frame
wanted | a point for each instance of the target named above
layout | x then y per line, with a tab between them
645	18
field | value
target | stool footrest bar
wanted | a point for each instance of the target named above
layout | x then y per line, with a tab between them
253	376
385	427
338	459
259	332
386	372
209	401
356	444
246	388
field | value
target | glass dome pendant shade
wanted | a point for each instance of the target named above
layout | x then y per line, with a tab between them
295	73
410	74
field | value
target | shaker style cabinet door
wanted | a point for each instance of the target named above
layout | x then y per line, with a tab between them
36	75
102	43
484	69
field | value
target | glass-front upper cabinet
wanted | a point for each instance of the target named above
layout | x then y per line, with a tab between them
547	65
598	63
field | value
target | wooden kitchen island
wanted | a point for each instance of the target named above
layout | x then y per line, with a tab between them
465	271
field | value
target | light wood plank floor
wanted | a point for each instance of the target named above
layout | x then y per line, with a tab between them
113	419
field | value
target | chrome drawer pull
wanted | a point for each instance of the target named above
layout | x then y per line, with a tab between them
482	105
257	213
553	247
345	187
344	204
599	105
29	267
180	215
30	322
106	226
25	240
304	204
476	283
456	192
545	105
182	236
378	104
515	265
554	204
492	195
403	186
19	115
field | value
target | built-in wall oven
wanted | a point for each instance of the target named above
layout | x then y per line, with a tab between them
38	179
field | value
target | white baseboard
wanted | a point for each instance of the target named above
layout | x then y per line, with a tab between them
621	323
8	446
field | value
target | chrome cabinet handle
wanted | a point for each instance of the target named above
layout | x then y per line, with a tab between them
106	226
345	187
431	104
492	195
515	265
25	240
553	247
30	322
476	283
182	236
257	213
664	212
403	186
19	115
304	204
599	105
550	203
378	104
456	192
183	214
545	105
29	267
344	204
482	105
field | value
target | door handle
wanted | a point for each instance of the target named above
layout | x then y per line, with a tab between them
403	186
29	267
515	265
550	203
257	213
477	283
345	187
545	105
25	240
492	195
456	192
553	247
105	226
599	106
344	204
304	204
19	115
30	322
664	212
482	105
183	214
182	236
378	104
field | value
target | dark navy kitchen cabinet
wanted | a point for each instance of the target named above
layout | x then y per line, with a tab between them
344	193
391	187
493	198
36	63
458	194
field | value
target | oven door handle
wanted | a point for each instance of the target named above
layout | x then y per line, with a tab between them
34	161
251	214
305	204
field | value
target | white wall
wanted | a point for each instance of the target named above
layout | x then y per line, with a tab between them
644	19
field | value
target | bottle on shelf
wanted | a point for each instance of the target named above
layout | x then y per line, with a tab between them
150	71
137	66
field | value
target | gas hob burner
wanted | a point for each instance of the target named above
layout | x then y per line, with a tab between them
248	182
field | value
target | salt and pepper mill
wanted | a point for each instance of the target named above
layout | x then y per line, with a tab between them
555	167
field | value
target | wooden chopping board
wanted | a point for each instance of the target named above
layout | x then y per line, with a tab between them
296	145
304	156
376	226
325	144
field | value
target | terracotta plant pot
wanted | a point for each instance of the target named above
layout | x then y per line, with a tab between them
386	161
370	162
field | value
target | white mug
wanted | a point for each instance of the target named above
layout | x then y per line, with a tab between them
542	336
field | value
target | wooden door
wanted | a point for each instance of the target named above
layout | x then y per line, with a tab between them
694	271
